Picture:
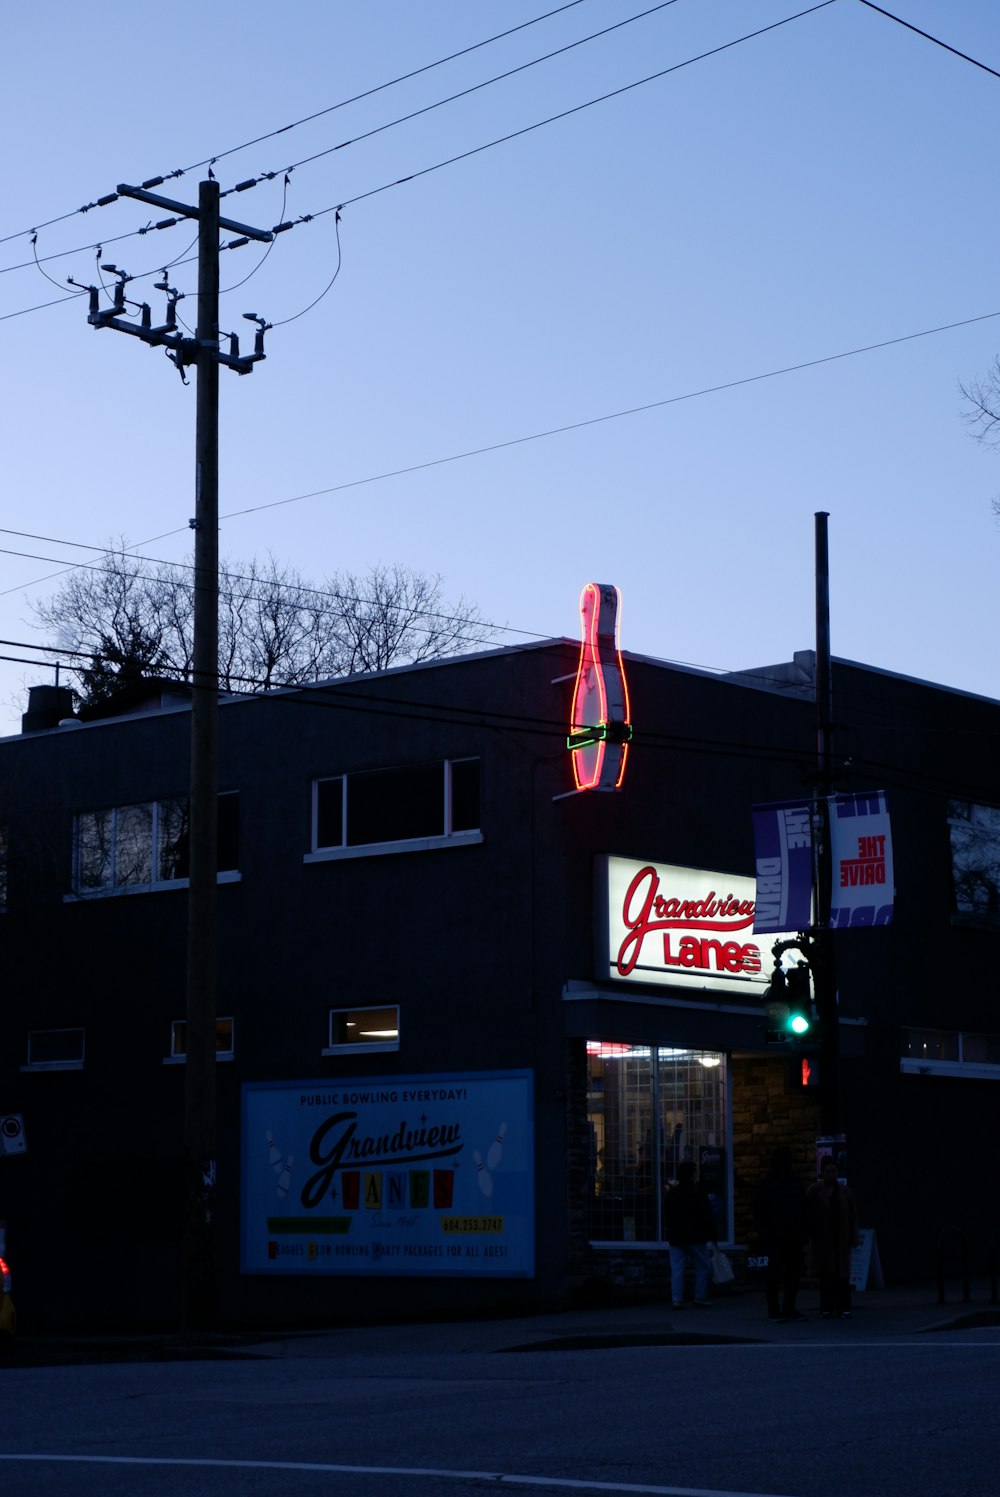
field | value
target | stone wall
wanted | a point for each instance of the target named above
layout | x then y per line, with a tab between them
768	1111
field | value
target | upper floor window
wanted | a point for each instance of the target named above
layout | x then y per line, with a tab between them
974	832
417	806
145	846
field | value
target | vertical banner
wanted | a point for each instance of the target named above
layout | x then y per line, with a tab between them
395	1175
783	850
861	848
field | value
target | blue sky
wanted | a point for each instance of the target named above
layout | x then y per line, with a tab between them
816	189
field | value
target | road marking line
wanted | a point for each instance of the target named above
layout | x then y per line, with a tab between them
498	1477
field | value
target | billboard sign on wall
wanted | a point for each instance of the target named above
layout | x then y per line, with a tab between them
392	1176
681	927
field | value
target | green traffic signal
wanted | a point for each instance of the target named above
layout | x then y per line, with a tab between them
788	1000
799	1021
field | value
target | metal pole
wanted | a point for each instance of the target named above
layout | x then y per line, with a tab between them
198	1266
824	970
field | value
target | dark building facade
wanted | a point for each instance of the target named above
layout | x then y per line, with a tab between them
440	1086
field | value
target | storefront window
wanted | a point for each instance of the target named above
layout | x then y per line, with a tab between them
648	1108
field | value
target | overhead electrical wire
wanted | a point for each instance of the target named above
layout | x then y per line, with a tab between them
472	89
452	160
301	588
306	119
928	37
379	88
500	446
486	145
352	694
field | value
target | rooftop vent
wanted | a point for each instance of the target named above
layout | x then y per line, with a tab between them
48	706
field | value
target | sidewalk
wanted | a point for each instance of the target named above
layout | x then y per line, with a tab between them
735	1317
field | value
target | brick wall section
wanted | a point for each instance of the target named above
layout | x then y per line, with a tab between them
768	1111
577	1160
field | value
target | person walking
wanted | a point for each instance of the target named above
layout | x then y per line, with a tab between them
689	1226
779	1214
833	1231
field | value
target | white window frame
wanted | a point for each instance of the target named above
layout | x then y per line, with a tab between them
157	885
179	1057
74	1064
968	1070
361	1047
446	838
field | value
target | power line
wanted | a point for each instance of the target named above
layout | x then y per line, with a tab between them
379	88
306	119
337	694
262	583
473	151
537	436
472	89
576	109
635	410
935	39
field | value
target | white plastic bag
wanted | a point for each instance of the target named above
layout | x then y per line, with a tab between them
722	1269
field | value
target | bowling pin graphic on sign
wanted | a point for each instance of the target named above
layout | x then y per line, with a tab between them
494	1154
483	1177
281	1166
600	720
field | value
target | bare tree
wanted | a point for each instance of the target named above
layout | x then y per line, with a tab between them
982	411
134	618
982	405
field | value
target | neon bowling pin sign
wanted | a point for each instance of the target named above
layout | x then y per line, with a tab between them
600	722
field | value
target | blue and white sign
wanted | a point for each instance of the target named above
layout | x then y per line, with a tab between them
861	849
783	850
391	1175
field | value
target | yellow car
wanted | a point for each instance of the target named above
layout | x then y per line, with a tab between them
8	1315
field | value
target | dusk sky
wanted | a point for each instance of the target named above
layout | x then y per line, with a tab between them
642	319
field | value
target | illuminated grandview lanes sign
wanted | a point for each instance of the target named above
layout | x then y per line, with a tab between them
680	927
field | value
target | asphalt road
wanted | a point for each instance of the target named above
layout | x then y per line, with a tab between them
894	1418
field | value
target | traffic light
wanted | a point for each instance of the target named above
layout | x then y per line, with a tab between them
791	1015
800	1006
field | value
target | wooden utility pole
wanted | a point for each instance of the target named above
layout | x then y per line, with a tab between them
203	351
198	1239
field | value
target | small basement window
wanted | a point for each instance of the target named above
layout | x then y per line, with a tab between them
55	1050
356	1030
224	1041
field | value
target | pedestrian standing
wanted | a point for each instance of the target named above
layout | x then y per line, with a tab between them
833	1231
689	1225
779	1213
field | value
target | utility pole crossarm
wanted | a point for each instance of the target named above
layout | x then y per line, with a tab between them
187	211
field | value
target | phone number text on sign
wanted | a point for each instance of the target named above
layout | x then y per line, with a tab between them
482	1225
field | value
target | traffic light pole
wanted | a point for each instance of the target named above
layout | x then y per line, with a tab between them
824	967
203	351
